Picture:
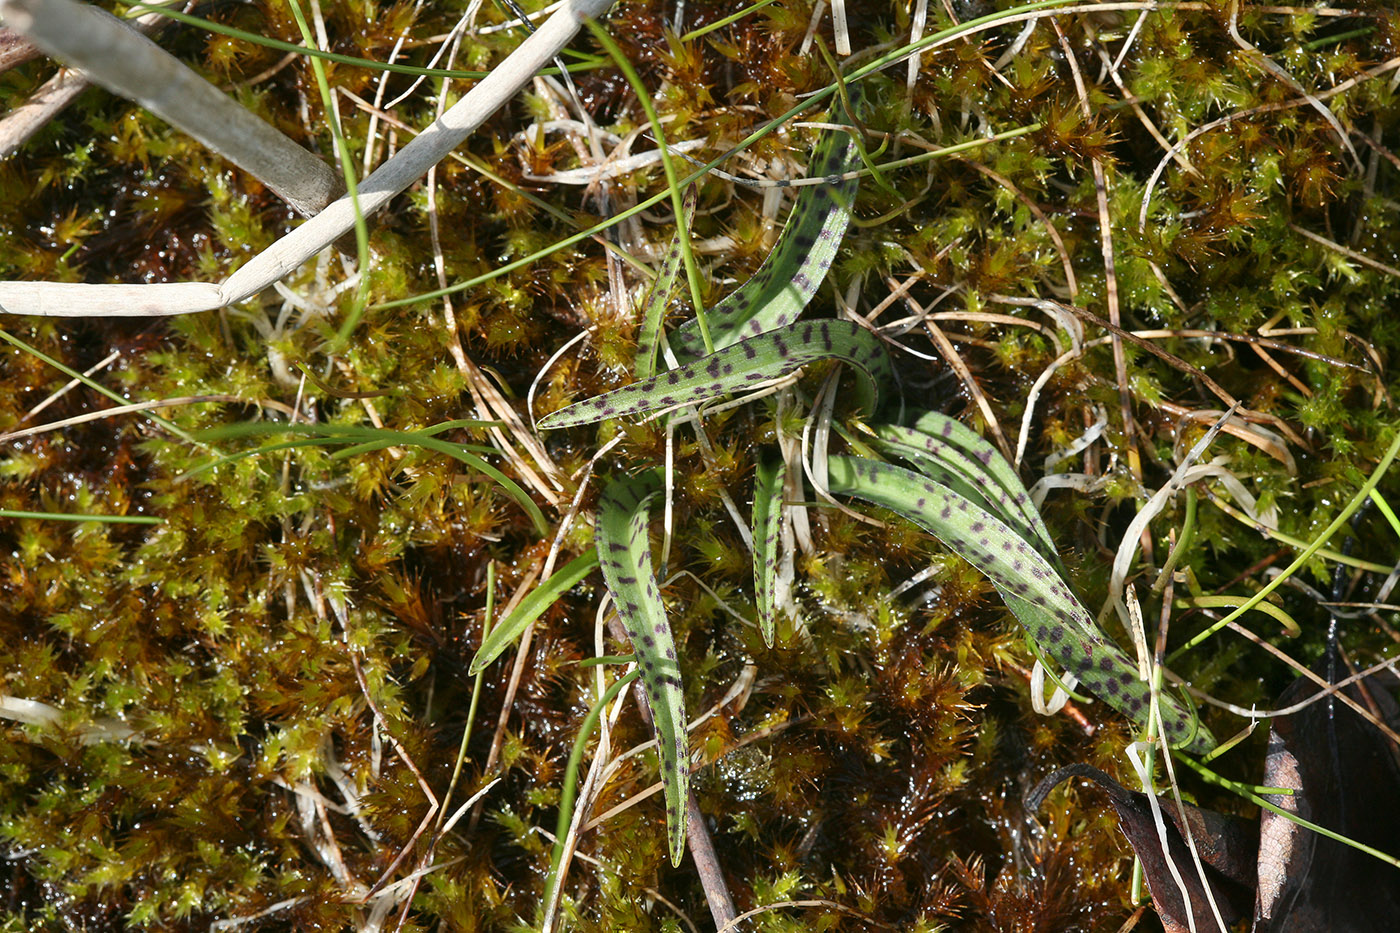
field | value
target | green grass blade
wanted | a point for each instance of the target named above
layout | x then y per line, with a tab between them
792	273
96	386
257	451
571	770
673	185
74	517
1317	543
313	435
531	608
368	438
587	63
659	295
758	359
767	514
1032	588
624	550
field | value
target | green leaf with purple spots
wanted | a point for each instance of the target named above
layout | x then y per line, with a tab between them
767	514
768	356
1032	588
791	274
949	452
624	550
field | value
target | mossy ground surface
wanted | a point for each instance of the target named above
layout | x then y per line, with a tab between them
297	629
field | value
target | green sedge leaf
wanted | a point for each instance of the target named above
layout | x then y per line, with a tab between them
790	276
659	295
311	435
624	551
767	515
531	608
1032	588
768	356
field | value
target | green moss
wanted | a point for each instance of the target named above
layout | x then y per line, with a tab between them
297	630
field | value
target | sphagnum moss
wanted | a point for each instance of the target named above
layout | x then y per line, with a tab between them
270	767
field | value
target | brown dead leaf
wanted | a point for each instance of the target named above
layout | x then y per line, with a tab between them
1274	874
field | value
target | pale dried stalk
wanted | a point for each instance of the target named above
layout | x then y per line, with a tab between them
28	118
283	257
24	120
125	62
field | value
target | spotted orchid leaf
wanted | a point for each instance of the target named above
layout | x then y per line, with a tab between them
624	550
1032	588
654	313
768	356
951	453
767	513
791	274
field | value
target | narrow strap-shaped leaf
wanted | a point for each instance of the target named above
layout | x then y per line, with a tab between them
767	514
422	438
970	484
625	553
530	609
758	359
788	278
659	295
319	434
967	476
964	451
1053	617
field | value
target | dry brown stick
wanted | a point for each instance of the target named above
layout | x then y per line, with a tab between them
1278	367
15	50
702	848
487	401
1301	669
1253	340
776	905
408	761
959	366
1039	215
1141	114
1110	271
1215	388
138	407
1349	253
702	851
1384	153
1349	83
1252	53
28	118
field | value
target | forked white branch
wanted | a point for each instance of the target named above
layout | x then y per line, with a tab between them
63	299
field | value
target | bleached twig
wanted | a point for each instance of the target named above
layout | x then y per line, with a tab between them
281	258
116	56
